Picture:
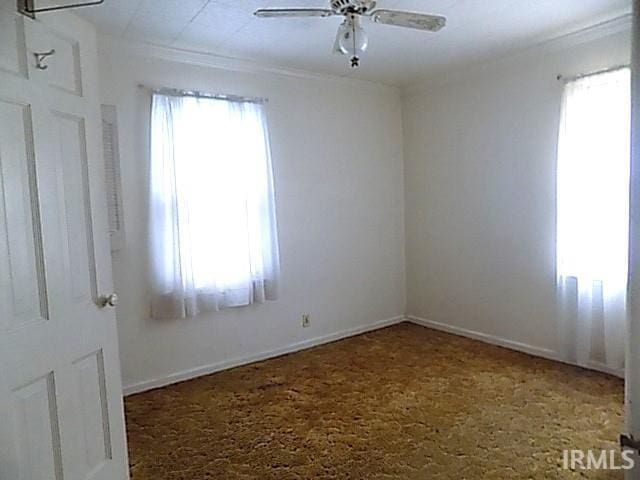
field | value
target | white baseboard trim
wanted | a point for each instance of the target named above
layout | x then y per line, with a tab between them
236	362
510	344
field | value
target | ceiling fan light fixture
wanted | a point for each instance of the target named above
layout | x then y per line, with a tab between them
343	31
352	39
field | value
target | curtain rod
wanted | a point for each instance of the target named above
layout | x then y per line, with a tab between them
176	92
597	72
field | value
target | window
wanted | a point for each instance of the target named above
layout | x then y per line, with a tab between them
213	229
593	212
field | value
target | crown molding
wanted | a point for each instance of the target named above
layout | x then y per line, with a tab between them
613	26
108	44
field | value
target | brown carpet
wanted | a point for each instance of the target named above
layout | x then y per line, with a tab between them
405	402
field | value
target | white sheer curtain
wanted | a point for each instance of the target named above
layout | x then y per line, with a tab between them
212	216
593	218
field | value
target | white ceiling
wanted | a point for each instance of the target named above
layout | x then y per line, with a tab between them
476	30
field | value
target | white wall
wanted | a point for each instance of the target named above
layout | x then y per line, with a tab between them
480	161
478	182
337	155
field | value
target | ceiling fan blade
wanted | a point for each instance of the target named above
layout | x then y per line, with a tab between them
292	12
419	21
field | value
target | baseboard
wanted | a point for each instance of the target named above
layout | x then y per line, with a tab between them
510	344
296	347
227	364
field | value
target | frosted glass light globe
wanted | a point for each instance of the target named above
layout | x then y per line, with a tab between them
353	40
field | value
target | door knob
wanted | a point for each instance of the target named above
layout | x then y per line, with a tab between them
108	300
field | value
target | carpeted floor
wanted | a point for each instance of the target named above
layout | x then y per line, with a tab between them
405	402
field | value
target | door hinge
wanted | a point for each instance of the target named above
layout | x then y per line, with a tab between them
627	441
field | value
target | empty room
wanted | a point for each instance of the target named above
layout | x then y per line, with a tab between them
319	239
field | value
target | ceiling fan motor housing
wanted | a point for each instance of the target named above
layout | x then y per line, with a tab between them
359	7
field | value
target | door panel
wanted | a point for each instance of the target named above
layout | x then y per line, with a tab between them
92	396
64	73
69	139
22	278
61	409
35	415
13	55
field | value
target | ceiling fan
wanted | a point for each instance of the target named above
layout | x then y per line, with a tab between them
351	38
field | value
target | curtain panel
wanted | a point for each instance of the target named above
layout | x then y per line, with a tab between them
213	238
593	218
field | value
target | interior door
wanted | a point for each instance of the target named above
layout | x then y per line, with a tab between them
61	414
632	378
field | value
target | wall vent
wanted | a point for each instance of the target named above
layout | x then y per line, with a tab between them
113	180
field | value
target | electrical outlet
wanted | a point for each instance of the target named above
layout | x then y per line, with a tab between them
306	320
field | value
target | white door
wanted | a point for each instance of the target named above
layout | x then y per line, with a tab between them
632	380
61	415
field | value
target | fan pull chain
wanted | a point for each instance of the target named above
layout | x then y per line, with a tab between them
355	60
